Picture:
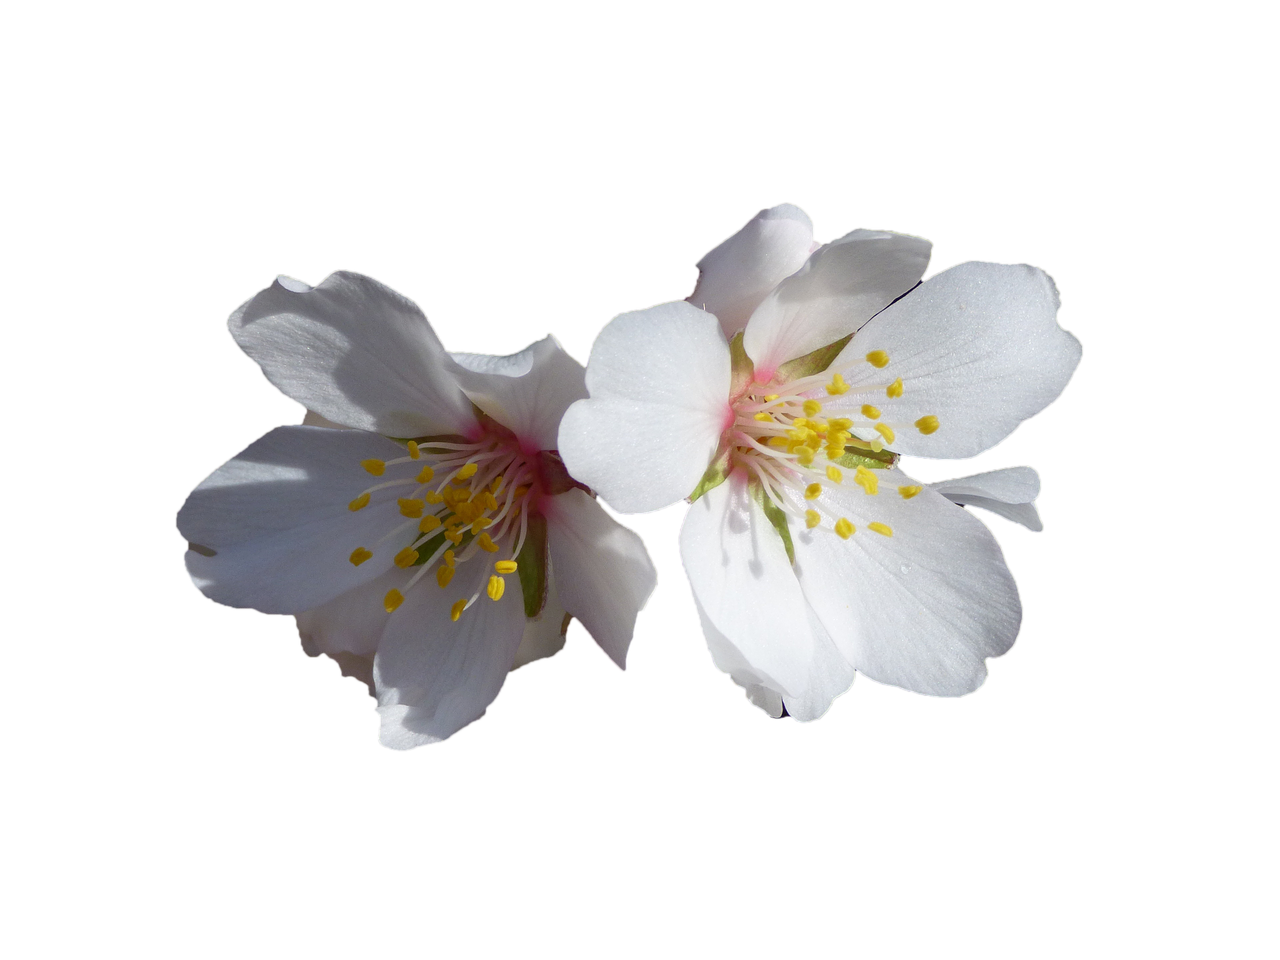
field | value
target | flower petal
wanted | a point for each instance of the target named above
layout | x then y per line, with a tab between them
527	392
842	286
922	608
434	675
978	346
355	352
351	622
600	568
544	634
277	520
659	384
735	276
740	574
1007	492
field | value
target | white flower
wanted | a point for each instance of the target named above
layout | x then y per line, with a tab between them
448	558
781	408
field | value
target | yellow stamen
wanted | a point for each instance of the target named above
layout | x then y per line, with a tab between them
878	359
867	480
837	386
444	575
522	490
453	536
812	518
763	417
812	408
894	389
496	486
777	441
359	555
429	523
410	507
490	501
414	453
870	412
805	455
909	492
770	397
835	450
467	472
927	425
844	529
433	498
392	600
839	423
425	474
406	557
486	544
505	566
881	528
481	524
359	503
875	445
496	586
376	467
834	474
813	491
450	559
885	431
456	610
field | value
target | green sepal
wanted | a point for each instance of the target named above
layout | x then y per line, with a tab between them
531	565
716	474
778	519
427	549
867	458
743	370
812	363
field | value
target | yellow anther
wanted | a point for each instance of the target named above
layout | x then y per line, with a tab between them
812	408
813	491
410	507
763	417
450	559
453	536
456	610
429	522
875	445
376	467
425	474
844	529
406	557
359	503
909	492
414	453
486	544
805	455
496	486
820	426
433	498
834	474
490	501
835	450
870	412
885	431
927	425
770	397
444	575
481	524
522	490
505	566
839	423
894	389
392	600
812	518
837	386
878	359
496	586
867	480
467	472
359	555
778	441
881	528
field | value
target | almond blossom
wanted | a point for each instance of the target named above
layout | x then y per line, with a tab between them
419	524
779	399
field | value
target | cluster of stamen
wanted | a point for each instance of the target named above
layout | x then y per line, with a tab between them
788	440
466	501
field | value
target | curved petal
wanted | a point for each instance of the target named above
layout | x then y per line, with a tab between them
659	384
273	526
740	574
434	675
978	346
527	392
351	622
735	276
355	352
1007	492
842	286
602	572
544	634
920	609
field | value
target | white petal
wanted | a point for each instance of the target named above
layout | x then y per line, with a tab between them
735	276
543	635
357	353
977	346
740	574
659	384
602	572
842	286
1007	492
277	517
433	675
351	622
527	392
921	609
729	659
